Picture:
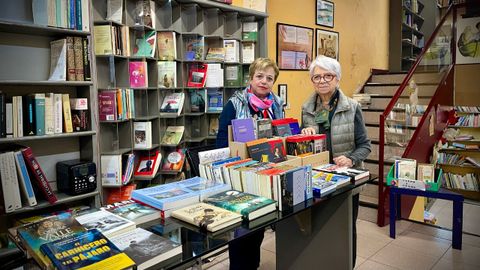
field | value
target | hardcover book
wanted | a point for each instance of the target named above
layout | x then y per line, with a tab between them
133	211
173	103
167	48
248	205
197	75
107	223
263	128
173	135
243	130
339	179
24	179
9	181
354	174
167	74
174	160
143	135
38	174
146	249
165	197
148	166
138	74
145	44
203	187
96	252
207	217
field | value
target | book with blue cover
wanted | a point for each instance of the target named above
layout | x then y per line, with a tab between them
203	187
87	250
248	205
164	197
296	186
243	130
339	179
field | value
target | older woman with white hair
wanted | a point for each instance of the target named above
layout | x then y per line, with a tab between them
330	112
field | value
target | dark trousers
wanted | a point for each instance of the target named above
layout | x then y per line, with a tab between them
355	205
244	253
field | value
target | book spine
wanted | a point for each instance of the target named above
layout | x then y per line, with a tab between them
49	114
40	114
58	113
58	13
25	183
29	127
71	14
67	113
85	16
9	120
70	59
78	14
39	175
3	116
78	58
8	173
86	60
19	116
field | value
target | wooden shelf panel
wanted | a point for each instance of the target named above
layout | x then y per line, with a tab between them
38	30
47	137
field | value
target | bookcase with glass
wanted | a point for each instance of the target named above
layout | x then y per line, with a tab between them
173	65
49	110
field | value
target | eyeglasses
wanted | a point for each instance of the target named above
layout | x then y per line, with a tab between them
327	78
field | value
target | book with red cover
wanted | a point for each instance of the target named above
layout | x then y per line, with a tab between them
197	75
122	193
107	105
147	166
38	175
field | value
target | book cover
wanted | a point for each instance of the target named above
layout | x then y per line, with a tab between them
214	100
111	170
232	75
8	174
165	197
426	172
213	123
29	123
173	135
70	59
133	211
143	135
39	114
296	186
122	193
145	44
38	174
232	50
46	230
197	75
128	161
248	52
248	205
207	217
138	74
146	249
263	128
58	113
102	39
194	47
67	114
197	100
267	150
339	179
107	105
58	60
167	74
322	188
354	174
167	46
174	160
87	250
243	130
145	13
24	179
107	223
147	166
215	54
203	187
173	103
78	55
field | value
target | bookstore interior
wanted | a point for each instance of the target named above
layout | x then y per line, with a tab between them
110	112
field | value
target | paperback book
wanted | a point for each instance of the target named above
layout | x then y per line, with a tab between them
145	44
174	160
354	174
197	100
148	165
167	74
173	103
138	74
194	48
214	100
173	135
197	75
167	48
133	211
107	223
164	197
203	187
143	135
243	130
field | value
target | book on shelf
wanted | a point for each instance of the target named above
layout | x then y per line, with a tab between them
107	105
353	173
148	165
57	113
167	45
426	172
111	170
197	75
232	50
232	75
24	179
213	123
173	135
52	228
214	100
39	113
18	116
8	174
243	130
70	59
78	56
167	74
79	107
86	250
107	223
214	75
249	31
173	103
248	205
138	74
207	217
49	114
122	193
174	160
194	48
215	54
474	161
145	44
197	100
166	196
248	52
145	13
145	248
58	60
133	211
128	164
67	114
143	135
115	11
405	169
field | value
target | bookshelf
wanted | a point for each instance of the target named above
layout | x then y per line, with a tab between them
26	55
192	22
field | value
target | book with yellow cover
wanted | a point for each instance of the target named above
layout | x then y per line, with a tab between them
67	114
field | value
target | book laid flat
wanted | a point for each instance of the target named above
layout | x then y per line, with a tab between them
106	222
203	187
133	211
248	205
165	196
354	174
46	230
322	188
145	248
207	217
87	250
340	179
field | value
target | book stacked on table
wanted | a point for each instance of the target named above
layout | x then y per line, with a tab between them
353	173
133	211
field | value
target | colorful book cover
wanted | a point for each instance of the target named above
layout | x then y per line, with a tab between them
338	179
243	130
165	196
138	74
146	248
203	187
215	100
133	211
88	250
194	48
46	230
167	49
173	103
106	222
167	74
197	100
148	165
248	205
174	160
39	176
197	75
173	135
145	44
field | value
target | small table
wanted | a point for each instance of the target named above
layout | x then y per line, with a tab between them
457	199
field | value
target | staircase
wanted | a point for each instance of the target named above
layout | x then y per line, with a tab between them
381	88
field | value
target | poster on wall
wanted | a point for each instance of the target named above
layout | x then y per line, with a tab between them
328	43
468	41
324	13
294	47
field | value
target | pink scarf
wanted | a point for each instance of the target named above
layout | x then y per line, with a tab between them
259	104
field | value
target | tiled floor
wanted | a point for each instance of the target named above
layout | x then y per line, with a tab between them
416	246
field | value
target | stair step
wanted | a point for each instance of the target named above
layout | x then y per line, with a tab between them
389	90
383	101
426	77
368	201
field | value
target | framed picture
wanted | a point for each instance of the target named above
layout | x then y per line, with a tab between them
294	47
328	43
324	13
468	42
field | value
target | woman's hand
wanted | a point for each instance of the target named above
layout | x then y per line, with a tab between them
343	161
308	131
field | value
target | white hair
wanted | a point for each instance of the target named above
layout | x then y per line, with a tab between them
326	63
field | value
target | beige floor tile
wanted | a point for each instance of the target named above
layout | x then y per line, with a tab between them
372	265
367	228
360	261
368	245
468	255
269	243
403	258
430	230
423	243
267	261
367	213
471	240
218	266
444	264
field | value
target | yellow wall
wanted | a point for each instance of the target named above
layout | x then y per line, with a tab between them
363	31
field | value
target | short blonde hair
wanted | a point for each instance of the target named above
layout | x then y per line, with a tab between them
262	64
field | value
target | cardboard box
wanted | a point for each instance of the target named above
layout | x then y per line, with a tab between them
316	159
292	161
